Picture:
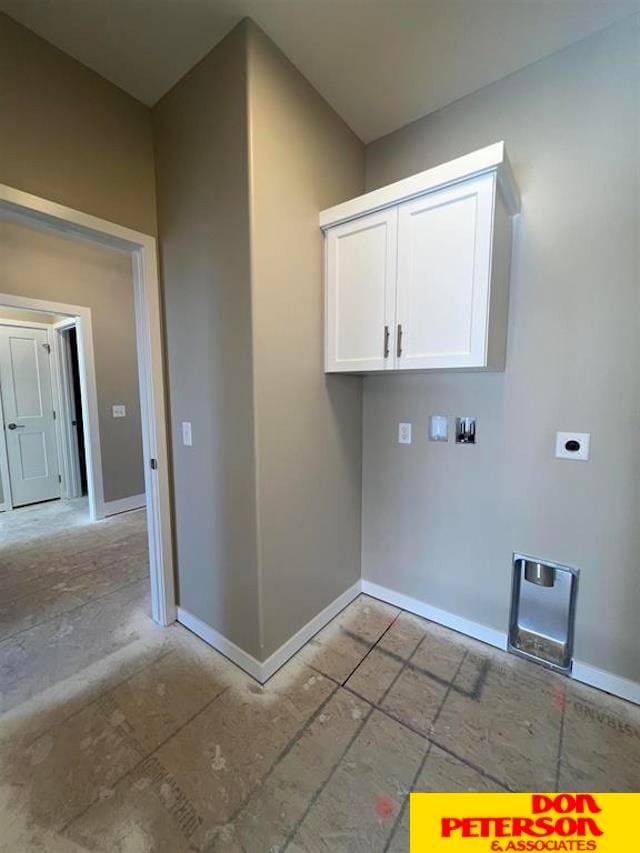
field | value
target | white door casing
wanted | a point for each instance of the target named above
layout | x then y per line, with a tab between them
360	292
27	401
444	266
144	253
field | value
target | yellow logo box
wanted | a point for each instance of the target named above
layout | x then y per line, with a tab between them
510	823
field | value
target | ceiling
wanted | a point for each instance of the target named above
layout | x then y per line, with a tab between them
379	63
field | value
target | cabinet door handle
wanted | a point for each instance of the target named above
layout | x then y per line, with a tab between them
399	349
386	342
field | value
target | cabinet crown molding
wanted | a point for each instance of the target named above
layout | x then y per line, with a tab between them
492	158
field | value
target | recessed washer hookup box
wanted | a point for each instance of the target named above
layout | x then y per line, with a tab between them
543	606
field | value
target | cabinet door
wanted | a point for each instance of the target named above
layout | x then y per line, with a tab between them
444	257
360	293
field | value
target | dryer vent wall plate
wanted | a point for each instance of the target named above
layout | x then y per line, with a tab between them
573	445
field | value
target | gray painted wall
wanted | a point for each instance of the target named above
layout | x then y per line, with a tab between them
440	521
29	316
69	135
42	264
308	426
268	499
203	209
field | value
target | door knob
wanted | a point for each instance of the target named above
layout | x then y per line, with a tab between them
15	426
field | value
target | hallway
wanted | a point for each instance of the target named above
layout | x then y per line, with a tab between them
60	578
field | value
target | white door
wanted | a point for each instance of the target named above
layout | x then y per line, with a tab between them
25	384
444	258
360	293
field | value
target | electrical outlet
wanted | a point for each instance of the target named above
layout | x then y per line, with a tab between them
119	411
186	433
404	433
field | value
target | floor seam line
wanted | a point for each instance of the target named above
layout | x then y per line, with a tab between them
430	739
403	808
561	739
424	757
473	766
283	754
99	696
414	667
371	648
81	572
144	758
378	707
71	610
401	670
294	830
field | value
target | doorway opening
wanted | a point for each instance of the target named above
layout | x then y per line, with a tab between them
69	343
71	412
56	558
42	445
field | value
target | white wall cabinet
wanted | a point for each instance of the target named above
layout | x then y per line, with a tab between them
417	273
361	264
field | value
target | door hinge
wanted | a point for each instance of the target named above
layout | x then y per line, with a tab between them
59	478
154	464
47	347
54	414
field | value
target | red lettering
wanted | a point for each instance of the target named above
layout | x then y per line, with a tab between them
449	824
522	826
539	828
588	823
469	825
541	803
566	826
588	801
514	827
564	804
502	825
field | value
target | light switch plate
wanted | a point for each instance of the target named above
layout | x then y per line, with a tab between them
404	433
579	454
119	411
186	433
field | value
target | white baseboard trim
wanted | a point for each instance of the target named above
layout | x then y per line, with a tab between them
607	681
617	685
123	505
583	672
434	614
262	671
220	643
295	643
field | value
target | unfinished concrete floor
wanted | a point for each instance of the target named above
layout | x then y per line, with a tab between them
118	735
